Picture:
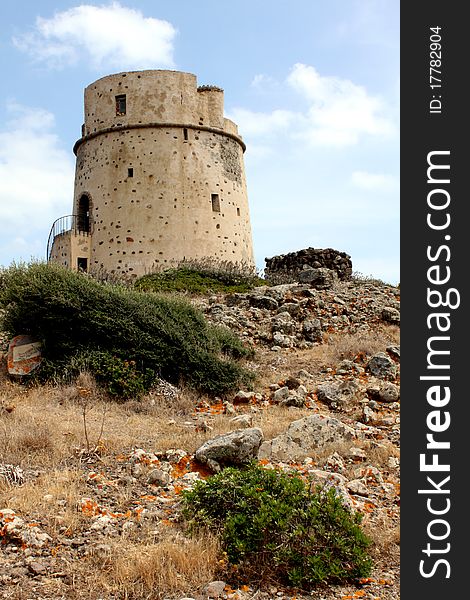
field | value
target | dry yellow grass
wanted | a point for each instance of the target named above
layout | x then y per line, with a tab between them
52	498
48	424
272	367
154	570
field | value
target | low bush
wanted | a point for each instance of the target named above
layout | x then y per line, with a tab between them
201	277
273	527
125	338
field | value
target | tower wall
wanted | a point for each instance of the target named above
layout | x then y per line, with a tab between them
165	181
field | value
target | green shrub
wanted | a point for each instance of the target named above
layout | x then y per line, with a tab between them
272	526
123	337
201	277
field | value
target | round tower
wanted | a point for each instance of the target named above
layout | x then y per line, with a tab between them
160	174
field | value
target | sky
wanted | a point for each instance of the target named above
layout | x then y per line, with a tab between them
313	86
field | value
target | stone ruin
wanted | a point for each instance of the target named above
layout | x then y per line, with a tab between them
307	265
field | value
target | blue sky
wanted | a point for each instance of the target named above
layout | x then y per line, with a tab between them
312	84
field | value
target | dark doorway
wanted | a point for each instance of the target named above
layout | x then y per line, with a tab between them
83	218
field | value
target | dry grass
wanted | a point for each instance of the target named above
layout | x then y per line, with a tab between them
385	537
51	498
47	426
153	570
272	367
340	346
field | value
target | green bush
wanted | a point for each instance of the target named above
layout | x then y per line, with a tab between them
124	337
272	526
201	277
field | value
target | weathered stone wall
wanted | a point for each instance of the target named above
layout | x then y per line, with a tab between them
166	180
288	266
69	246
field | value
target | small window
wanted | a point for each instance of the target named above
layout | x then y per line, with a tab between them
82	264
130	172
121	105
238	212
185	134
215	202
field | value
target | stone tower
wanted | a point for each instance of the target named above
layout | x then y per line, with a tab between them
159	178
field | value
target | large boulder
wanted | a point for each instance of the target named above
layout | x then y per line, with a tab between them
382	366
304	436
234	448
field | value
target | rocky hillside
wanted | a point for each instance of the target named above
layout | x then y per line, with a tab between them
90	490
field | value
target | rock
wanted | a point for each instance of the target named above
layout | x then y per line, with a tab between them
174	455
382	366
229	408
37	568
141	456
337	395
236	299
356	454
311	330
358	486
283	323
242	397
234	448
368	415
321	278
327	480
16	530
303	375
158	477
305	435
263	302
293	308
348	366
281	394
391	315
394	351
389	392
293	400
215	589
334	463
282	341
384	392
292	382
242	421
102	523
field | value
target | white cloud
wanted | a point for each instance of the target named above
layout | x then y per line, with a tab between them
373	181
261	81
36	179
106	36
340	111
259	123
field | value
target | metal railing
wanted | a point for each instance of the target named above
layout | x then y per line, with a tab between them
78	224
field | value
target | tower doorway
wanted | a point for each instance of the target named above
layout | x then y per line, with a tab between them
83	217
